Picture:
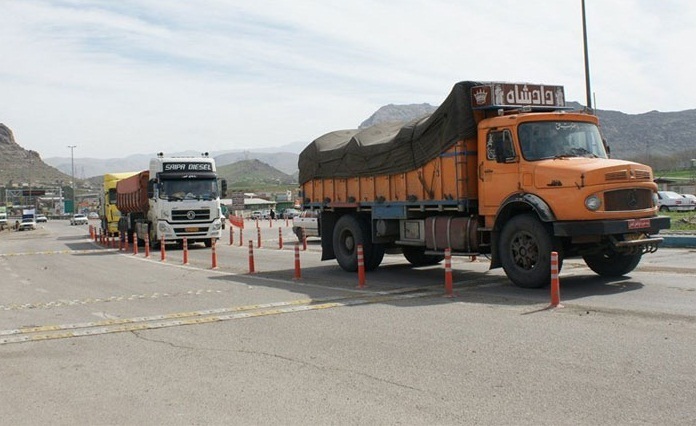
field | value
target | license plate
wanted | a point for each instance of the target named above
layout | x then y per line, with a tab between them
191	229
639	223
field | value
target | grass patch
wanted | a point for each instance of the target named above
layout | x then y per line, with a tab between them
682	221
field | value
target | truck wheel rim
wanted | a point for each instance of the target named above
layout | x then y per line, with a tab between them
525	252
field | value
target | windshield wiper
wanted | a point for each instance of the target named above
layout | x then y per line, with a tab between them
577	152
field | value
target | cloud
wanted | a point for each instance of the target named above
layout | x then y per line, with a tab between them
117	78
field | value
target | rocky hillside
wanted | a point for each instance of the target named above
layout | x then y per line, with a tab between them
646	137
21	167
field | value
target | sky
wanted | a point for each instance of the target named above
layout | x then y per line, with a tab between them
115	78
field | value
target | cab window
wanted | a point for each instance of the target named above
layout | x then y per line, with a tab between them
499	146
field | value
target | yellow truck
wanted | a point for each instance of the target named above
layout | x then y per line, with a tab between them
499	169
108	212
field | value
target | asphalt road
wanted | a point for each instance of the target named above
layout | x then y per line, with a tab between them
96	335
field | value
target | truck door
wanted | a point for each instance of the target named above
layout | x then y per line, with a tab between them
498	170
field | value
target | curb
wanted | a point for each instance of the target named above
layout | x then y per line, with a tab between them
679	241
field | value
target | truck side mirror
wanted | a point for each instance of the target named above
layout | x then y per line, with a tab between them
150	188
223	188
606	147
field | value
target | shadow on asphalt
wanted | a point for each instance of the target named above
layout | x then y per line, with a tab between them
490	287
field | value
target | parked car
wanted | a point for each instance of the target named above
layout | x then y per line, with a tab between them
79	219
289	213
691	199
41	218
93	215
306	222
256	214
27	224
673	202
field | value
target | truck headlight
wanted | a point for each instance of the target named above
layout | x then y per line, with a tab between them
163	227
593	202
217	224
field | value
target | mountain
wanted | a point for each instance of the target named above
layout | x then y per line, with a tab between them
663	140
250	174
397	114
284	161
282	158
650	136
21	167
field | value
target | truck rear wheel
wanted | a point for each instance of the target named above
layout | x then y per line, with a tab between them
417	257
525	251
612	264
348	233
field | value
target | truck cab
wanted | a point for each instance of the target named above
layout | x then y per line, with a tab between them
177	198
554	168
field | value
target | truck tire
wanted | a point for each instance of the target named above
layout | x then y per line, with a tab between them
298	233
525	251
348	233
417	257
612	264
154	242
375	258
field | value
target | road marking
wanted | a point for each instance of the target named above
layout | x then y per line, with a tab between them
88	301
31	253
54	332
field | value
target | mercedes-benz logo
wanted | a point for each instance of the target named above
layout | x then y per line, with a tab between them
190	215
632	199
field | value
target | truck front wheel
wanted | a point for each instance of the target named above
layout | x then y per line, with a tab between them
612	264
348	233
525	251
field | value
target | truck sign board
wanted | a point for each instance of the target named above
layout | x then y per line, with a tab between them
188	167
517	95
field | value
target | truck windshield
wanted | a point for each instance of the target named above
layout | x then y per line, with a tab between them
188	189
560	139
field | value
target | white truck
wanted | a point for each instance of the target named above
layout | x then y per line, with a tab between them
177	197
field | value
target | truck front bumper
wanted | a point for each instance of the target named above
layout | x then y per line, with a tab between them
651	225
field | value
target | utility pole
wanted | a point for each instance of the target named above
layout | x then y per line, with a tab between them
72	182
588	90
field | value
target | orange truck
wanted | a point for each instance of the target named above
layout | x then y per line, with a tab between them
499	169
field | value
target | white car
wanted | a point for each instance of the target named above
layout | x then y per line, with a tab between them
307	224
673	202
27	224
79	219
691	199
41	218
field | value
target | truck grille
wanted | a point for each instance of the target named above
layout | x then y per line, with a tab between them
622	175
194	215
642	174
627	199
